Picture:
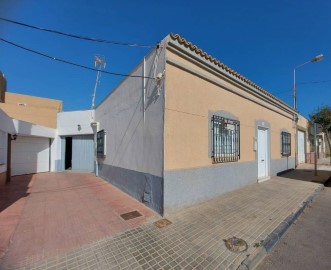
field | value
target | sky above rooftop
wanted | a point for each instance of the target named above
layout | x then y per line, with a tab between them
262	40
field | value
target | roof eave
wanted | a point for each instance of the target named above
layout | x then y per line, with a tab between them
175	41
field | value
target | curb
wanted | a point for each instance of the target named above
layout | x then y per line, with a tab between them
254	259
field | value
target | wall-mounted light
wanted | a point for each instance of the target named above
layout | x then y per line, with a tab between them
13	137
79	127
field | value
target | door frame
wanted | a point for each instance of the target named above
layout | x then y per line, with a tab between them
264	125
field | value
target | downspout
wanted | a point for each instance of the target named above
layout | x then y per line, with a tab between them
144	87
94	126
8	175
95	155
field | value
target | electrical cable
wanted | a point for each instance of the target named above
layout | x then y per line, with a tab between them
71	63
302	83
326	81
281	92
77	36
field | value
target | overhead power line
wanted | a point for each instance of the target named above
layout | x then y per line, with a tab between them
302	83
326	81
281	92
77	36
71	63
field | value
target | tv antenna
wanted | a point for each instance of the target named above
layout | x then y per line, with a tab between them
99	63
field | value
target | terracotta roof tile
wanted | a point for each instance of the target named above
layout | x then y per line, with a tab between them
208	57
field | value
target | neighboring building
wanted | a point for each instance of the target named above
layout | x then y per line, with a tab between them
73	148
327	149
36	110
24	147
321	144
303	140
198	130
7	128
26	132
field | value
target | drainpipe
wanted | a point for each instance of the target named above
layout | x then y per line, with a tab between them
144	87
315	154
95	130
8	175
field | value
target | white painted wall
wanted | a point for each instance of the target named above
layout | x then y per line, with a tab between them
6	123
30	152
29	129
67	123
3	151
133	117
55	152
29	155
6	127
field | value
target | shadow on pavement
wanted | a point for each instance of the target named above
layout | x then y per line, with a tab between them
13	197
308	174
13	191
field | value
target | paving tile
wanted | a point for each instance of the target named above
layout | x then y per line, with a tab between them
194	240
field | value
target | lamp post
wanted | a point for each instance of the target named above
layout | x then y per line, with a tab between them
315	59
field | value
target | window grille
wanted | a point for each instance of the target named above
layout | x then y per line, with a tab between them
286	143
101	144
226	139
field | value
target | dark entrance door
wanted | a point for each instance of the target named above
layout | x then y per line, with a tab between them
68	154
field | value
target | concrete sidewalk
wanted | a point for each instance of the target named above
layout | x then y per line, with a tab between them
194	240
307	243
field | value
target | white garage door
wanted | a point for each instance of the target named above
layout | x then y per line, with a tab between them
29	155
301	147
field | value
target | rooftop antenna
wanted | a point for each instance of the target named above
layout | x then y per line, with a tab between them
99	63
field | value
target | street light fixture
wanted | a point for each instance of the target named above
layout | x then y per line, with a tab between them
315	59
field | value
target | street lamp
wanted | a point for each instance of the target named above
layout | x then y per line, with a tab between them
315	59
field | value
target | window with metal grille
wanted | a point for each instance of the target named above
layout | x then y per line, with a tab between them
286	143
225	139
101	144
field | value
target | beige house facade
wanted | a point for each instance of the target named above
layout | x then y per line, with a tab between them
36	110
191	129
198	88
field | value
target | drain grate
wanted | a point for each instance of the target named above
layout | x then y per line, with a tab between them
162	223
131	215
235	244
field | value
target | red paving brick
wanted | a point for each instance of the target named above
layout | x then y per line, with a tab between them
51	213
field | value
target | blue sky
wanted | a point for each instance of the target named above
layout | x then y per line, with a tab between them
262	40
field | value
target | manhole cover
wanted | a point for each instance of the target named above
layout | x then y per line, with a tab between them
131	215
162	223
235	244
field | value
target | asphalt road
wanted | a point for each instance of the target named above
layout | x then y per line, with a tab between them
307	244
